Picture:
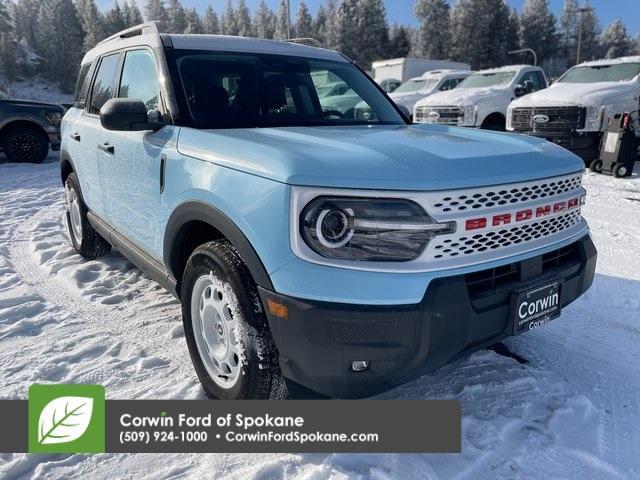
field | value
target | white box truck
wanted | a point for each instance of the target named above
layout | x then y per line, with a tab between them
405	68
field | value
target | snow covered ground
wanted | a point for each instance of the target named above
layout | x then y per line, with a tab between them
40	90
572	411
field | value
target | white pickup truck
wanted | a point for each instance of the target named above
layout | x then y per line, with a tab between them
575	111
482	99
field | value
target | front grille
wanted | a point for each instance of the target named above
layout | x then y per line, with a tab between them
501	278
558	119
445	115
507	195
482	242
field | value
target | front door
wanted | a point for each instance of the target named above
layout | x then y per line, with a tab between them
130	162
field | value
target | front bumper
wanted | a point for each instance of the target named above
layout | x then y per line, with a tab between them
54	140
319	340
584	144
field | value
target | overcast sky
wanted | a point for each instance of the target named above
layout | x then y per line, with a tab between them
401	11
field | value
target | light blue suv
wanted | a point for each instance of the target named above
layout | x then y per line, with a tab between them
312	251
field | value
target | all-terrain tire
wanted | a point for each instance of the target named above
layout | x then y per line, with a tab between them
84	239
25	145
258	374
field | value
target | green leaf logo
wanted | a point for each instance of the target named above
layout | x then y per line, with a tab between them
64	419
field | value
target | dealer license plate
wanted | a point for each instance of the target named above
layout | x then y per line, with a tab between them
535	306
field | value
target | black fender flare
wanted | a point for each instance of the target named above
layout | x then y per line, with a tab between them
199	211
65	158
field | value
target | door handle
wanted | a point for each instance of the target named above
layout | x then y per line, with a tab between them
75	136
106	147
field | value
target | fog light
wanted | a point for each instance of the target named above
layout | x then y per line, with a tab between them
360	365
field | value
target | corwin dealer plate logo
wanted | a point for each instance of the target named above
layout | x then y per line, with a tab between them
66	419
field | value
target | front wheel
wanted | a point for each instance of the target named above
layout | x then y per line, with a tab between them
226	329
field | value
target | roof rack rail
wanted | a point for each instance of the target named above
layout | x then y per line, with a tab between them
309	42
142	29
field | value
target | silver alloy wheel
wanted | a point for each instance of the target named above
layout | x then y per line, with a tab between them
75	216
214	330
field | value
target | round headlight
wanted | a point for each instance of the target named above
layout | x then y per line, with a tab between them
332	227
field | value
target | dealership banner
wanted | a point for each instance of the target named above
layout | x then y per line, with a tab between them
78	419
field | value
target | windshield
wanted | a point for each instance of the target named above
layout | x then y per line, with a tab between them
618	72
415	85
221	90
479	80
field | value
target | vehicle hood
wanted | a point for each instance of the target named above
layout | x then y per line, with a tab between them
411	157
582	94
32	104
408	99
466	96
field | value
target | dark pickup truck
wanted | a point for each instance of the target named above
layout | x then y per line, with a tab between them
28	129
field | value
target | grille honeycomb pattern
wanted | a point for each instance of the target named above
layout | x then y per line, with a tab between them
507	195
493	240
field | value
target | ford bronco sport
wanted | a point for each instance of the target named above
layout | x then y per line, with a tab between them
347	256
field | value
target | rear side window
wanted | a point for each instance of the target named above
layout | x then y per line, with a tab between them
82	86
103	88
139	79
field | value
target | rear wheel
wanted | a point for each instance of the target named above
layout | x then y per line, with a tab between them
596	166
85	240
226	330
25	145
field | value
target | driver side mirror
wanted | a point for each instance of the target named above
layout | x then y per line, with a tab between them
128	115
519	91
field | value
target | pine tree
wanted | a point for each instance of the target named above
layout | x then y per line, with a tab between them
7	49
399	42
637	45
320	24
243	20
434	32
132	15
347	40
483	32
264	21
114	20
229	25
590	45
326	24
210	24
194	24
304	22
282	22
156	10
177	17
25	16
57	39
538	29
92	21
615	40
373	32
568	31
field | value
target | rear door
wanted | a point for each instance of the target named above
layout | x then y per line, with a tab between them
87	133
131	170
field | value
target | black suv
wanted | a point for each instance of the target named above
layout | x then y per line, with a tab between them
27	129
